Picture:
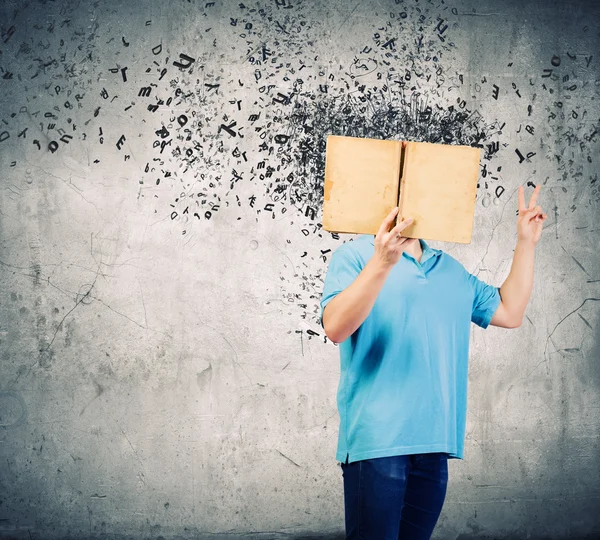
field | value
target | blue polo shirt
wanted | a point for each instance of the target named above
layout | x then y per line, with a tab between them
403	373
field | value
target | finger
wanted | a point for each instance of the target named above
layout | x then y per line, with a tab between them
528	211
405	242
522	206
385	224
534	197
535	214
407	222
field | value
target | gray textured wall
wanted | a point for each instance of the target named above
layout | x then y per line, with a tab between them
163	373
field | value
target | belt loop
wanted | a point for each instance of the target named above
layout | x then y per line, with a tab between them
347	456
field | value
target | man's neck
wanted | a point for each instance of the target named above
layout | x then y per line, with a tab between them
416	251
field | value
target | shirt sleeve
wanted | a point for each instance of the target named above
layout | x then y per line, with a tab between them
486	299
344	267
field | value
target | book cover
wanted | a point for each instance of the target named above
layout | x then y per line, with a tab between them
438	188
361	183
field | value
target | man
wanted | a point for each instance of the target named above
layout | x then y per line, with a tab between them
401	312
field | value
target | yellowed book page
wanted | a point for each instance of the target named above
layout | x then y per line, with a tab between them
438	189
361	183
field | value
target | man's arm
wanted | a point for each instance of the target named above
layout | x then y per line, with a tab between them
348	310
517	287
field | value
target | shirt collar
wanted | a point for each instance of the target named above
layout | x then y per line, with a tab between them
428	251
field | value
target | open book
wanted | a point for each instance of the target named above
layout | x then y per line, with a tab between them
435	184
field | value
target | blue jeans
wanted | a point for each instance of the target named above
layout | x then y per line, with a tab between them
398	497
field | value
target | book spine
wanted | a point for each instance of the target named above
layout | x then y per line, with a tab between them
402	182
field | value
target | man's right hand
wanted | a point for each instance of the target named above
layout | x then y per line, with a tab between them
388	245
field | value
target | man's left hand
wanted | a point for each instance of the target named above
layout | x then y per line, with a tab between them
531	218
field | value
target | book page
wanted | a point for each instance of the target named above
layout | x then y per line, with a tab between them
361	183
438	190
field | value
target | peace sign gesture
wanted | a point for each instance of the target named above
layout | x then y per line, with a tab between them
531	218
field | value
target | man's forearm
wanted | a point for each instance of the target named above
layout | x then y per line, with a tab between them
517	287
348	310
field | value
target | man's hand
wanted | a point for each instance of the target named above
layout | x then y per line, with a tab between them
531	219
389	245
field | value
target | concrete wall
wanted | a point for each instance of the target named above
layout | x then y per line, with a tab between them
163	373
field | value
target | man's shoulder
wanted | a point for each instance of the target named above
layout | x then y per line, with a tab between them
451	263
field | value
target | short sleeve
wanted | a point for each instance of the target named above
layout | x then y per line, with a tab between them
344	267
486	299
